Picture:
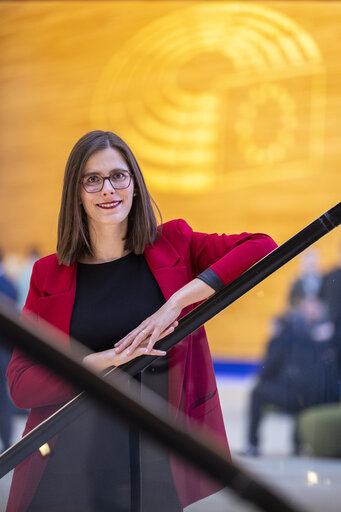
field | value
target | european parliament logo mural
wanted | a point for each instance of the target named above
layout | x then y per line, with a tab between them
217	96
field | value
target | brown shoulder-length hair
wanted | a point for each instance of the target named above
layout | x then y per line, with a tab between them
73	231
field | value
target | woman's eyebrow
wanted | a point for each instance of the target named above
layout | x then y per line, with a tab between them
94	171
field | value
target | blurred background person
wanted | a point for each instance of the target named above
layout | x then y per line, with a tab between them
331	294
23	277
7	289
309	281
300	368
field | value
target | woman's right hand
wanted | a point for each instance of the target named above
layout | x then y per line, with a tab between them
100	361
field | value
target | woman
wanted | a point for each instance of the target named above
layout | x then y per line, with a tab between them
116	270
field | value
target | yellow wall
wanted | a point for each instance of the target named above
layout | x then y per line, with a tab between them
232	109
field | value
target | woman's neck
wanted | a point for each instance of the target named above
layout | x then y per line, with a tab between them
107	243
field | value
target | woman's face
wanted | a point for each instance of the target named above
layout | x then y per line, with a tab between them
109	206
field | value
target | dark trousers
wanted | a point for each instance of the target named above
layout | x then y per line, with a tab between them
265	394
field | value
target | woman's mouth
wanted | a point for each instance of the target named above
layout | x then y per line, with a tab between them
109	206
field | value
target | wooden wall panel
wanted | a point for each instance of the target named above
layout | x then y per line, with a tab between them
233	110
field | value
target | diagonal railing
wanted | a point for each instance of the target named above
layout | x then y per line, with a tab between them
123	400
212	306
188	324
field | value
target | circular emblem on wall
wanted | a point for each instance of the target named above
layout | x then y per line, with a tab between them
216	96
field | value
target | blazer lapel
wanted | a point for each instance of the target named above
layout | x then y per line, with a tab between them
59	290
163	260
164	263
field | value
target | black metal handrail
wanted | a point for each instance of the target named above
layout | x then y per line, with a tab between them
188	324
124	401
212	306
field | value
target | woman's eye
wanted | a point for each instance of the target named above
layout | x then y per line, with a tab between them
118	176
92	179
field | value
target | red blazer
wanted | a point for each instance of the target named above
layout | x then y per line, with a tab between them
175	259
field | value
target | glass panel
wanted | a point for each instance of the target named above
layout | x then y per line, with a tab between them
301	463
100	462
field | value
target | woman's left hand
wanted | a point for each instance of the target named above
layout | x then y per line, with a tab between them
154	328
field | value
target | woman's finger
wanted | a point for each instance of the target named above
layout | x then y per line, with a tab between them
167	331
156	336
139	334
123	344
156	352
151	342
140	338
128	336
140	351
153	335
119	343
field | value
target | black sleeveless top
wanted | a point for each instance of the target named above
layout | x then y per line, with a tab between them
112	299
99	463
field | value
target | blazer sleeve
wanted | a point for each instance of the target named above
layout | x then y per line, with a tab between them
227	256
32	384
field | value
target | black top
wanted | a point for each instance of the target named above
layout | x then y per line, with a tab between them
112	299
96	463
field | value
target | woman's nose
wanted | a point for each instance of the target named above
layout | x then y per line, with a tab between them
107	187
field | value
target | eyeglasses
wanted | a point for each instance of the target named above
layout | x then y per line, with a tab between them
95	182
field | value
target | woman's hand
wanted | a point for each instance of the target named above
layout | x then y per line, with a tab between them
154	328
164	320
100	361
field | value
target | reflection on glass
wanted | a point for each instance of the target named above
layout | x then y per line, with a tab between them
98	462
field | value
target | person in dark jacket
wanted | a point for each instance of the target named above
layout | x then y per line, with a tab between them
331	294
300	368
7	290
309	281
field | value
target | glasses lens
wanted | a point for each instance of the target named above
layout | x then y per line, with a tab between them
93	183
120	179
